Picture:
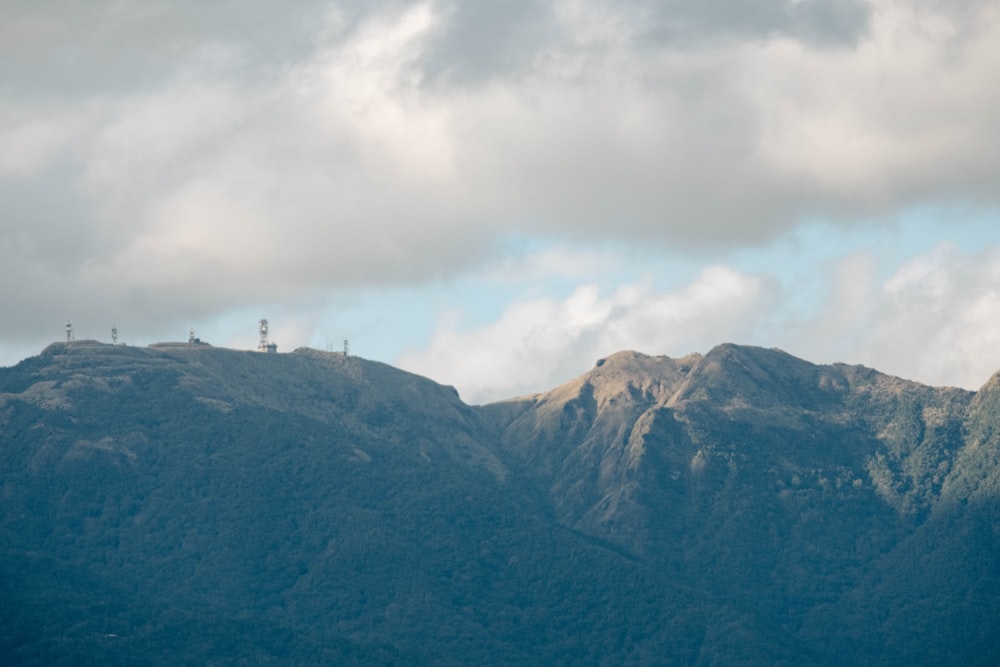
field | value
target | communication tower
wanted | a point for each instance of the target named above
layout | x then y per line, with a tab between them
114	334
69	332
263	345
191	338
262	328
347	347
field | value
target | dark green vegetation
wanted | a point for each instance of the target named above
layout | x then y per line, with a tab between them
182	504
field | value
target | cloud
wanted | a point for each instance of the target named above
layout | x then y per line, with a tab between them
841	315
60	48
525	265
936	318
539	343
895	121
736	141
32	141
933	320
210	193
820	22
482	41
184	158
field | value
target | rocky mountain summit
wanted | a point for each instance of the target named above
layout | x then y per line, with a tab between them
188	504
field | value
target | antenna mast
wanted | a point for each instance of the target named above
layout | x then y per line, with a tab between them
262	328
69	332
264	345
114	334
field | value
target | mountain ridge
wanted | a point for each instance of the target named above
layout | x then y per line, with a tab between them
738	507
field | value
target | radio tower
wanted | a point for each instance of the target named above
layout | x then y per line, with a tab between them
264	345
69	332
114	334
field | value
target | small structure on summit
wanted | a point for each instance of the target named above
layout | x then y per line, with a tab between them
114	334
264	345
69	332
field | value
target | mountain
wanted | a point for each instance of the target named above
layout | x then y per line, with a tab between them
853	511
185	504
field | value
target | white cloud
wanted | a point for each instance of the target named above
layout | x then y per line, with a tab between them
938	319
563	261
935	319
32	140
332	171
539	343
147	134
840	316
900	118
176	158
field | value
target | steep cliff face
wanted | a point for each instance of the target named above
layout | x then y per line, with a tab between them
744	506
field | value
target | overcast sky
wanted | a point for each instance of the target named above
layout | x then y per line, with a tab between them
497	194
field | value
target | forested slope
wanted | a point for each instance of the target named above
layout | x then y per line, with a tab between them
187	504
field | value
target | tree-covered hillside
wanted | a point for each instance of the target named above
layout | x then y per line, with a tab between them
182	504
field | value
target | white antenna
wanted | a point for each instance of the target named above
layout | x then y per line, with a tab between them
191	338
114	334
347	347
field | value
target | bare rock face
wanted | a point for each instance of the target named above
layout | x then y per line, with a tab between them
182	503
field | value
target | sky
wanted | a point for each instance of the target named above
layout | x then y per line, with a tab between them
496	195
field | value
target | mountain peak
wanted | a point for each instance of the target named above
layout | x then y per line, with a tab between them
744	375
633	374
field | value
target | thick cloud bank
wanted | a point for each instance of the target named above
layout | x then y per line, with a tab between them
177	160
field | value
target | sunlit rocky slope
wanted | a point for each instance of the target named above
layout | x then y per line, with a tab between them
182	504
